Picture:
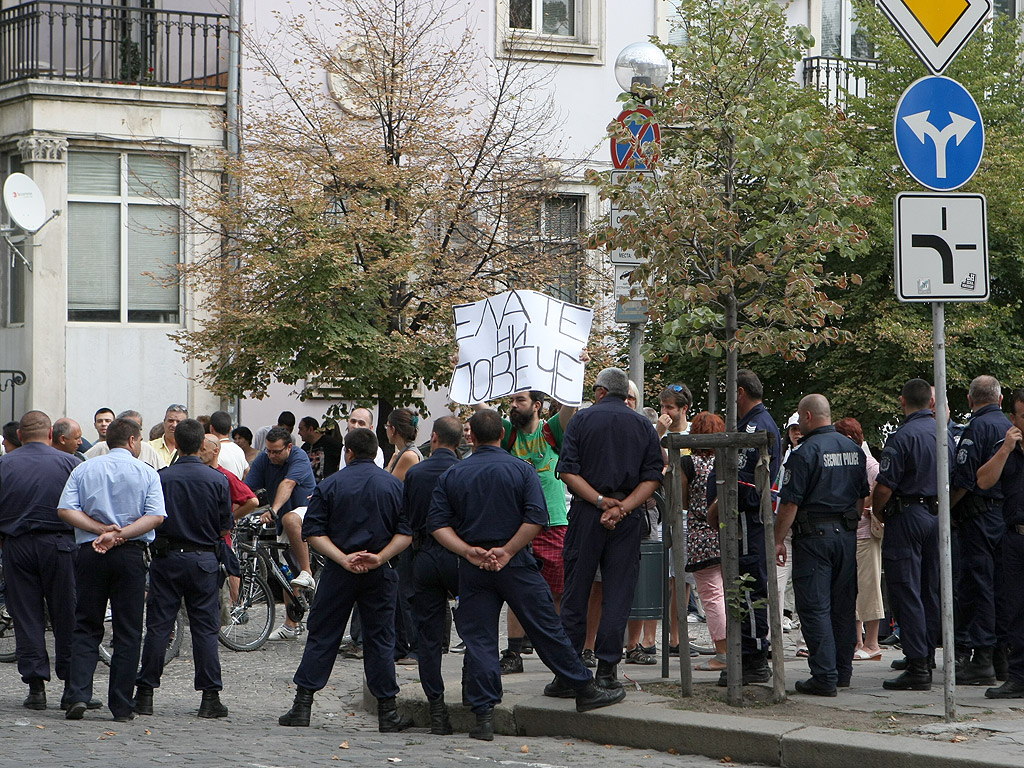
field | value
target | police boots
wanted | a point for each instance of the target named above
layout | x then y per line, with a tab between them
916	677
979	671
143	700
388	719
607	676
211	706
439	722
298	715
1001	661
36	698
484	728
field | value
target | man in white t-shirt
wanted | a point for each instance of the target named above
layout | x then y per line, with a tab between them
231	457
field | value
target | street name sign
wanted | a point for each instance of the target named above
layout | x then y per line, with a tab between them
939	134
937	30
941	247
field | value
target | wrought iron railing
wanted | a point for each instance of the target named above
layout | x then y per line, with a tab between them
87	42
11	380
836	78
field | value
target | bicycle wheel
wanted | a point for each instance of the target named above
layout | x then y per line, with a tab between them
6	636
173	645
252	616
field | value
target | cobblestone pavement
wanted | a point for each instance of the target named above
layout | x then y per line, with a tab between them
257	689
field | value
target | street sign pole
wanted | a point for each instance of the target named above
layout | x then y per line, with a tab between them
942	470
636	360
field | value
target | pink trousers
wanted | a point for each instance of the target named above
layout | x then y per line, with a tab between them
712	596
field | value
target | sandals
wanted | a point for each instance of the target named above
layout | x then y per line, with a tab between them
802	652
715	664
638	656
861	655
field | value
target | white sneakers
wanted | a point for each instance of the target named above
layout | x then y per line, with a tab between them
284	632
303	581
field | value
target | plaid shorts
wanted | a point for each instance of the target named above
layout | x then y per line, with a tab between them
547	549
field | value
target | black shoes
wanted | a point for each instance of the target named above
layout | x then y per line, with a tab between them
1008	690
298	715
916	677
511	662
559	689
210	706
76	711
594	697
814	687
122	718
755	670
65	701
484	728
388	718
979	670
143	700
36	698
440	724
607	677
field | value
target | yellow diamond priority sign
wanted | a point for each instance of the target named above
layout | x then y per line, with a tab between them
937	30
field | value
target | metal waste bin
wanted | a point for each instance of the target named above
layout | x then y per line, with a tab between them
649	585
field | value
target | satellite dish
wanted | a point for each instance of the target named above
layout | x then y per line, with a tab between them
24	202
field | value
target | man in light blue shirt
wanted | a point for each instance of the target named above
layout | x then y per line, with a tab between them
114	502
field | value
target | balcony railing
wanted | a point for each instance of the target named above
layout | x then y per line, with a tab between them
837	78
92	43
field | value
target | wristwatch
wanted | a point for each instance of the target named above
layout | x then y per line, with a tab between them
600	501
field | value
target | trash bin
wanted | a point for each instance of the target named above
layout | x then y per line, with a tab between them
649	586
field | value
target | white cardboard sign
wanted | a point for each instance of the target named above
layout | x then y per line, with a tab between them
520	340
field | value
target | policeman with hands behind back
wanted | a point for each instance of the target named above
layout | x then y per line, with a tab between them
355	519
822	497
906	500
185	565
487	509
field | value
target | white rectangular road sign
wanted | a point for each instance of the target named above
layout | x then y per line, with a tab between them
941	248
627	309
625	256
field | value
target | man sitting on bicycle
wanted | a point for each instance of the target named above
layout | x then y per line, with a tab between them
287	476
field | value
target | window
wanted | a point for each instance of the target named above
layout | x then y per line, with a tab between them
1006	8
549	231
14	265
564	31
124	237
841	36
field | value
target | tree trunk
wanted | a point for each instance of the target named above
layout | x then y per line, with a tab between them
728	506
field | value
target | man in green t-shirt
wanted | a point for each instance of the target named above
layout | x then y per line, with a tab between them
538	442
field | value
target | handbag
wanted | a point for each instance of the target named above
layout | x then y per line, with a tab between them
877	527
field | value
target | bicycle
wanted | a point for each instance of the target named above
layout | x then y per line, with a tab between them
7	650
253	610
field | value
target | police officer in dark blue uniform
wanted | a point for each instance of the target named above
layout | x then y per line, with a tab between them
487	509
1007	468
753	417
979	515
435	570
822	497
355	519
39	554
185	564
906	500
611	460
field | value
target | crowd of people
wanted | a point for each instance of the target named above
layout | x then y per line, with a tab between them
544	510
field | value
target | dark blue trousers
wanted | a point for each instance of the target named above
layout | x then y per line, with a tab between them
752	561
435	573
910	553
119	576
194	576
405	623
481	595
980	539
825	588
40	569
587	545
375	593
1012	598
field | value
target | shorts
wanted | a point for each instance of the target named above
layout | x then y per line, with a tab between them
547	550
282	537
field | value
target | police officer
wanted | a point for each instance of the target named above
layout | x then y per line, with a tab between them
753	417
822	498
39	555
355	519
435	570
185	564
487	509
905	498
611	461
979	515
1007	467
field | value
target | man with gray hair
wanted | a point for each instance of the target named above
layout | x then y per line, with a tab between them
611	461
66	437
147	453
978	512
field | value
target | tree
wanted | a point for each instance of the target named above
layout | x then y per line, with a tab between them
356	230
755	189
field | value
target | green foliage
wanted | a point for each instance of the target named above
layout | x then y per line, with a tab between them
737	595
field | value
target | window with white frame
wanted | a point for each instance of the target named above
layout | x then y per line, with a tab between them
549	229
124	237
552	30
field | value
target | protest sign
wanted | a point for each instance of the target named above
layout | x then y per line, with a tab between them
516	341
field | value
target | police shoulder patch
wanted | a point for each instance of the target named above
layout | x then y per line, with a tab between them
751	428
786	476
885	463
961	456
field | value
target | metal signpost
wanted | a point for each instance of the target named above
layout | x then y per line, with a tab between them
941	240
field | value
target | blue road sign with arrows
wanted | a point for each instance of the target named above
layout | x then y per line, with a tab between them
939	134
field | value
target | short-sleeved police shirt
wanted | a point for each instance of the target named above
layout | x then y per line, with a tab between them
31	481
825	474
420	481
757	419
978	443
198	502
908	464
358	508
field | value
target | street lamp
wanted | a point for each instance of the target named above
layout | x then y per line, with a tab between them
642	64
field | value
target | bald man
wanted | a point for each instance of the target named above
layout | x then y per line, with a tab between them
67	437
822	499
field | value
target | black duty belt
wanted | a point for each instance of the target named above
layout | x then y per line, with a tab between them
924	500
813	519
179	545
